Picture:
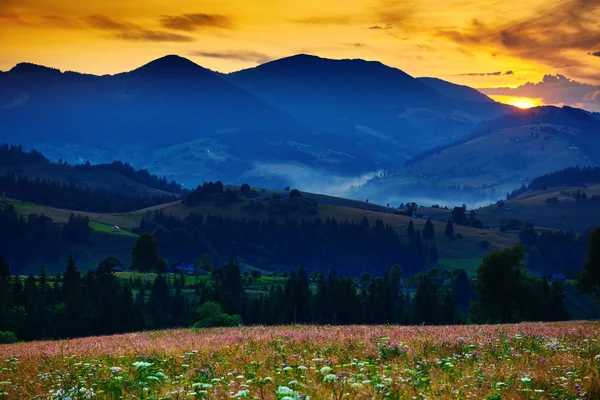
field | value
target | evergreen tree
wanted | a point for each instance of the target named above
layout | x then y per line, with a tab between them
144	255
449	231
410	231
428	230
433	255
589	280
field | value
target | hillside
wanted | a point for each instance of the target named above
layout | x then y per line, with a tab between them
460	253
275	125
350	96
504	153
565	213
454	91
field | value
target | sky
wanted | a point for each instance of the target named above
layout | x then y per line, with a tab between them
484	44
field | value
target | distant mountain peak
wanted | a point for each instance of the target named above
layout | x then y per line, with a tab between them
169	65
30	69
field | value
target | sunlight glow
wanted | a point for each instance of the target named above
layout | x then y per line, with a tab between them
521	102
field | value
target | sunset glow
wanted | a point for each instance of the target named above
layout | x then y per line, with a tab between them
521	102
447	39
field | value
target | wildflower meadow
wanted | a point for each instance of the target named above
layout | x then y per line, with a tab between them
521	361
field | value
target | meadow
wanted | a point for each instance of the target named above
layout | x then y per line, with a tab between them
521	361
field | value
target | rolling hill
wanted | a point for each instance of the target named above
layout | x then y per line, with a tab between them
503	153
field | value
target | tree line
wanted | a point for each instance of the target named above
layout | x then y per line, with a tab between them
73	304
24	239
354	247
572	176
73	197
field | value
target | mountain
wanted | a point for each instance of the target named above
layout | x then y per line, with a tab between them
454	91
137	116
503	153
354	97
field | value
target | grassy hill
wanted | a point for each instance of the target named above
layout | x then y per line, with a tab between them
466	252
504	158
94	177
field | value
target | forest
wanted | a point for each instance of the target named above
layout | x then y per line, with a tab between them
74	304
74	196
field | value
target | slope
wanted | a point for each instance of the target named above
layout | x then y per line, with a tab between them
503	153
344	96
454	91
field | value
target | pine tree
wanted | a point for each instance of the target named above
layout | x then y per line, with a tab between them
449	231
410	231
433	255
428	230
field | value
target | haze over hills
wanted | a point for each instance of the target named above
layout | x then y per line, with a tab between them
327	126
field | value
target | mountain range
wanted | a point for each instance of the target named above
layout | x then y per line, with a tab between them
318	124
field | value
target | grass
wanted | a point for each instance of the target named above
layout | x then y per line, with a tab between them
105	228
523	361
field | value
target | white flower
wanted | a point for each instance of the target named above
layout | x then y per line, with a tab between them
241	393
325	370
526	379
115	369
330	378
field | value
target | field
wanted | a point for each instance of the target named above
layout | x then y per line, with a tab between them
524	361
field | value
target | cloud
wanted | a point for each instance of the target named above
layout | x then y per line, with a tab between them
396	14
246	56
595	53
552	35
497	73
197	21
555	90
380	27
356	45
326	20
132	32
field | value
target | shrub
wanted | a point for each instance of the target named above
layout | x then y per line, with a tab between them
7	337
211	315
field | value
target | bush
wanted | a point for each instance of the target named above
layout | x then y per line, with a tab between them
211	315
7	337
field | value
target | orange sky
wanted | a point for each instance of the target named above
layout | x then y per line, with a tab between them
487	43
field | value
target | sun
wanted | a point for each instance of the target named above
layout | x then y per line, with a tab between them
521	102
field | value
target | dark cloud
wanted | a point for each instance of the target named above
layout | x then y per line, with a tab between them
144	35
497	73
105	22
357	45
132	32
595	54
246	56
197	21
380	27
555	89
546	36
326	20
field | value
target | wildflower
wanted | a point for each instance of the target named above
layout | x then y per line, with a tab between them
526	379
142	364
241	393
325	370
330	378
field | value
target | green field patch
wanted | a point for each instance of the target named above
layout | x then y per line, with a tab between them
99	227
